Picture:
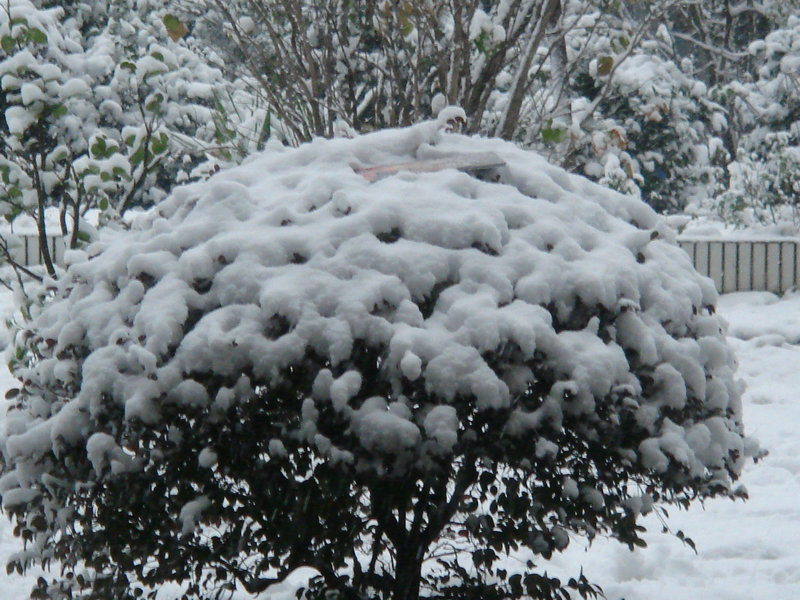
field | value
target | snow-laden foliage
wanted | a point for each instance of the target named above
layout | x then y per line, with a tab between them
102	107
331	67
656	132
764	179
395	383
641	96
743	52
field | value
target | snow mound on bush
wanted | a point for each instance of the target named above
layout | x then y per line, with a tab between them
469	288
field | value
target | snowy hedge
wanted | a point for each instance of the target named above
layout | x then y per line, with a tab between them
397	383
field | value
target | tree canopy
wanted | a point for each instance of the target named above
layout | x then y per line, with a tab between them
397	383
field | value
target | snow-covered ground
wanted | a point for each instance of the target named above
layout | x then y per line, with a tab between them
745	551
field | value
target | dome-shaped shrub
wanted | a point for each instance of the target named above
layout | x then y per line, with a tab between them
397	383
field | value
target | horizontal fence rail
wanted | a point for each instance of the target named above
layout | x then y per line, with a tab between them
771	265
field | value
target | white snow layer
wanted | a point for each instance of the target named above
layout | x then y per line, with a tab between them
295	252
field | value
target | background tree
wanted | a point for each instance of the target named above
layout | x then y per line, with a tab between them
369	65
764	183
627	93
102	109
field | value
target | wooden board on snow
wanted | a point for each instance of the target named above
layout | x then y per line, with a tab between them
472	162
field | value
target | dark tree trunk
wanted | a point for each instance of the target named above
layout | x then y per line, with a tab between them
408	571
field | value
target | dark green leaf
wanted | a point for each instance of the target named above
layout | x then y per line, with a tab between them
155	103
98	148
175	27
37	35
159	145
266	130
137	157
553	135
8	43
604	65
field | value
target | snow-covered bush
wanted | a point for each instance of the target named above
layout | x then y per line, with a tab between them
399	383
765	177
764	185
656	131
102	107
48	114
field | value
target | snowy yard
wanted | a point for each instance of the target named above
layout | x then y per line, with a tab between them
745	551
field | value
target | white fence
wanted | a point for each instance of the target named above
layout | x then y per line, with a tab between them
735	265
28	252
771	265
